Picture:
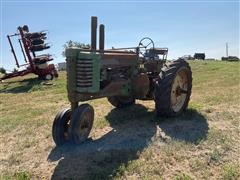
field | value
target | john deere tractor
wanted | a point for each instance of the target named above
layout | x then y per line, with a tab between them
122	75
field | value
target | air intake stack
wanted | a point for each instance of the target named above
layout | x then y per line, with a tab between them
101	37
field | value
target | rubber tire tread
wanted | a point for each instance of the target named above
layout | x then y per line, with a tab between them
76	118
58	128
163	87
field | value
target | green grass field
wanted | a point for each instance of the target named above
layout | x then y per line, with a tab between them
203	143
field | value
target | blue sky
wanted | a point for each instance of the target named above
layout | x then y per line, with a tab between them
184	27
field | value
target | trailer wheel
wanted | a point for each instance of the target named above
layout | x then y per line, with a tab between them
173	88
48	76
55	73
60	127
81	123
121	101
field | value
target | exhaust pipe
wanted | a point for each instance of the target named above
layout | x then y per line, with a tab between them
93	33
101	37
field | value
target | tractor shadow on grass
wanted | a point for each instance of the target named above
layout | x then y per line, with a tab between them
134	129
21	86
191	126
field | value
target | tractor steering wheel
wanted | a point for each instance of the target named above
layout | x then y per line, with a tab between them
144	44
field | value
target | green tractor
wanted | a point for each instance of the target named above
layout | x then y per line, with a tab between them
122	75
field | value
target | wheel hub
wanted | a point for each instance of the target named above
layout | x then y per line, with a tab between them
179	90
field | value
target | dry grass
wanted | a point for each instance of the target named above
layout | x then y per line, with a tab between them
132	143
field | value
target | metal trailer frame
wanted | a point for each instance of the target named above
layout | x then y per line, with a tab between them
30	58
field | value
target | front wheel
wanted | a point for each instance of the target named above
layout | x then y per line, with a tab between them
173	88
60	127
81	123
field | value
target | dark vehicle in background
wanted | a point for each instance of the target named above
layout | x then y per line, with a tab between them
200	56
230	58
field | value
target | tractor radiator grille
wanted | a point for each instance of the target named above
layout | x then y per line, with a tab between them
84	78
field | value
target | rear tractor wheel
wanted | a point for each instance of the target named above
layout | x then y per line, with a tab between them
60	127
121	101
81	123
173	88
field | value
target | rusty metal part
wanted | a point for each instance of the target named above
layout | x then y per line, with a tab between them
140	85
109	51
179	90
113	89
117	59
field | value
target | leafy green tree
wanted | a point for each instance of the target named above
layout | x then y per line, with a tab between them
2	70
71	43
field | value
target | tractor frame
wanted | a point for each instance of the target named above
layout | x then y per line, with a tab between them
122	75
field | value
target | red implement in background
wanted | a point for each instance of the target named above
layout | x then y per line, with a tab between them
30	44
